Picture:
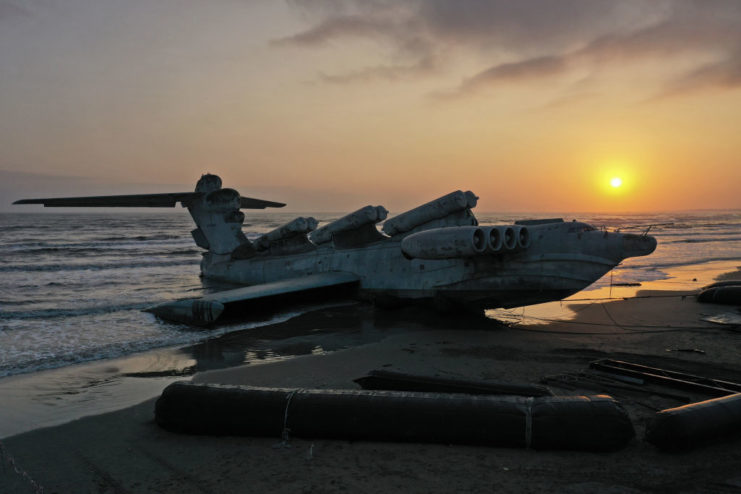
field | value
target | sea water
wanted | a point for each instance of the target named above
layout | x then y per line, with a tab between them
73	286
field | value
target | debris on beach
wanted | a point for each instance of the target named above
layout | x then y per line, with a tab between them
726	319
668	378
602	383
680	428
686	350
616	376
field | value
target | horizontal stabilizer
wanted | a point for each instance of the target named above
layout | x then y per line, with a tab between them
207	309
167	200
250	203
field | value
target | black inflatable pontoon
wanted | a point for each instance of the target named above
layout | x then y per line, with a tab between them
593	423
686	427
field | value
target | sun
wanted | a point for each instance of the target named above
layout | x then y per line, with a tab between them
616	182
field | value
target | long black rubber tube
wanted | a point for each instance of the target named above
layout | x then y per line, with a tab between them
686	427
723	294
595	423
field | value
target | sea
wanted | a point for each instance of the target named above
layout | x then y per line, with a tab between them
73	285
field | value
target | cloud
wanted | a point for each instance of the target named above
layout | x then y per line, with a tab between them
724	74
528	40
469	22
515	71
383	72
337	27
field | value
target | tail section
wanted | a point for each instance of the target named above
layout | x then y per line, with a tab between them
217	215
215	210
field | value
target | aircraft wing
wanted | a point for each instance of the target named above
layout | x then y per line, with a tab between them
167	200
134	200
209	308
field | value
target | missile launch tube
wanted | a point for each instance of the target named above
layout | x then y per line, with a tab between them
293	227
363	216
445	243
433	210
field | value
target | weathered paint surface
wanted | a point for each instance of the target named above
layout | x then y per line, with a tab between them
562	259
520	266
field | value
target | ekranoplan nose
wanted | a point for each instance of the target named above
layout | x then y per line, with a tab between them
638	245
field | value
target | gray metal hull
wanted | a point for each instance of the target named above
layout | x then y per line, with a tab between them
563	259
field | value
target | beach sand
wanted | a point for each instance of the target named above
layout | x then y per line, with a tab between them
125	451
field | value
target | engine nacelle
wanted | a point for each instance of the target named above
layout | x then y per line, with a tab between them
445	243
501	239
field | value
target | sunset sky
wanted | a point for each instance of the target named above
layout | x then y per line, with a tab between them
332	105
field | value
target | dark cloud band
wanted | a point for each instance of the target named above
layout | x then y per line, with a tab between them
529	40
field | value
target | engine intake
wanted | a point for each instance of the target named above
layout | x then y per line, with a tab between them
500	239
523	237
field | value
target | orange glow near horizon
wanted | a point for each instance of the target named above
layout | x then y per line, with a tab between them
328	115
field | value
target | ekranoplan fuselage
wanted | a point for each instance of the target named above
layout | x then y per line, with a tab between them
434	252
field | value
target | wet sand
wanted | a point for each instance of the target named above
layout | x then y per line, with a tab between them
125	451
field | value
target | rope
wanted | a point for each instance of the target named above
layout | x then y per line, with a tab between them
604	308
696	329
285	433
598	299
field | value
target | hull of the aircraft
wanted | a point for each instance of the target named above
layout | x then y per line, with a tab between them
562	260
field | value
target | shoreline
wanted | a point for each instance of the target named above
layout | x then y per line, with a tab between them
55	396
125	451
